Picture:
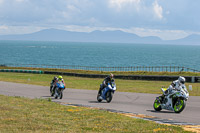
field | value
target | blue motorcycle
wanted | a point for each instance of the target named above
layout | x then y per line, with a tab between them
107	93
59	90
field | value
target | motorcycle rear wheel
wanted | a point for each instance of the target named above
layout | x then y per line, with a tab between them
179	105
157	105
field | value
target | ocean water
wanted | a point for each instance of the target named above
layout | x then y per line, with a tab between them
98	54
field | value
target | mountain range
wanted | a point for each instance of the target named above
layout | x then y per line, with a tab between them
98	36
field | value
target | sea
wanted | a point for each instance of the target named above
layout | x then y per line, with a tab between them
99	54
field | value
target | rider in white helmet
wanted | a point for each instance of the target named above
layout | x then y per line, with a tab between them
177	84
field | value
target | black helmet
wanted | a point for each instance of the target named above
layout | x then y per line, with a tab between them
55	78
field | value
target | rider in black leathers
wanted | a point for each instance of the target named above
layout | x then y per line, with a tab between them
54	80
107	80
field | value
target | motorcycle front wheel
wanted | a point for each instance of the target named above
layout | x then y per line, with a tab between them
179	105
52	91
157	105
98	96
61	94
109	96
56	94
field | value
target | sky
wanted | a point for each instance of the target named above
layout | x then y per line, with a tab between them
167	19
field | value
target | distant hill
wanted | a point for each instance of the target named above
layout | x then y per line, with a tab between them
193	39
97	36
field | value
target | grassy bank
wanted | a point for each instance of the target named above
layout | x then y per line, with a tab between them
106	73
138	86
37	115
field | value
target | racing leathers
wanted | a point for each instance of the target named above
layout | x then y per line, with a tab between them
53	83
62	80
174	85
105	82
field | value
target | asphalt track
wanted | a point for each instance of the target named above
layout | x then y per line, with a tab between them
136	103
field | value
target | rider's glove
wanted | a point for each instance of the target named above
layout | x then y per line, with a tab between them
109	86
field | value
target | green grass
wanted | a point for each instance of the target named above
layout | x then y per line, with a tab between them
106	73
138	86
20	115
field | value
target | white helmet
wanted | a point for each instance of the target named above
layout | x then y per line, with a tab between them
181	79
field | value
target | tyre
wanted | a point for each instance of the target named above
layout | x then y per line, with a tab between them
56	93
109	96
179	105
51	93
157	105
98	97
52	90
61	94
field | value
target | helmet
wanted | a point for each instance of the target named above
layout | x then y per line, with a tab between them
181	79
111	76
60	77
55	78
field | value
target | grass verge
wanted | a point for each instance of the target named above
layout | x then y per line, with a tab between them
106	73
39	115
137	86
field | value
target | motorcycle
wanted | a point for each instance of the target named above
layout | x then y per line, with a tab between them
175	101
107	93
59	90
52	89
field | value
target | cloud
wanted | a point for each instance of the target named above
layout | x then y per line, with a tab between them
158	10
3	27
163	34
1	1
121	3
20	0
21	16
6	30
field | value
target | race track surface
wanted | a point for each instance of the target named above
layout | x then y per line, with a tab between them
137	103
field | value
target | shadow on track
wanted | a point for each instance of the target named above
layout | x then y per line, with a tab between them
160	111
46	96
97	102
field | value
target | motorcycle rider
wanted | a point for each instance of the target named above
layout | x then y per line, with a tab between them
54	80
53	83
60	78
177	84
106	81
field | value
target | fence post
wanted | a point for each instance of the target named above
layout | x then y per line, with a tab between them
125	69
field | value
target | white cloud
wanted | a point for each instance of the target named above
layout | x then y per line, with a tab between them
1	1
6	30
158	10
78	28
155	17
163	34
3	27
20	0
167	12
120	3
73	8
